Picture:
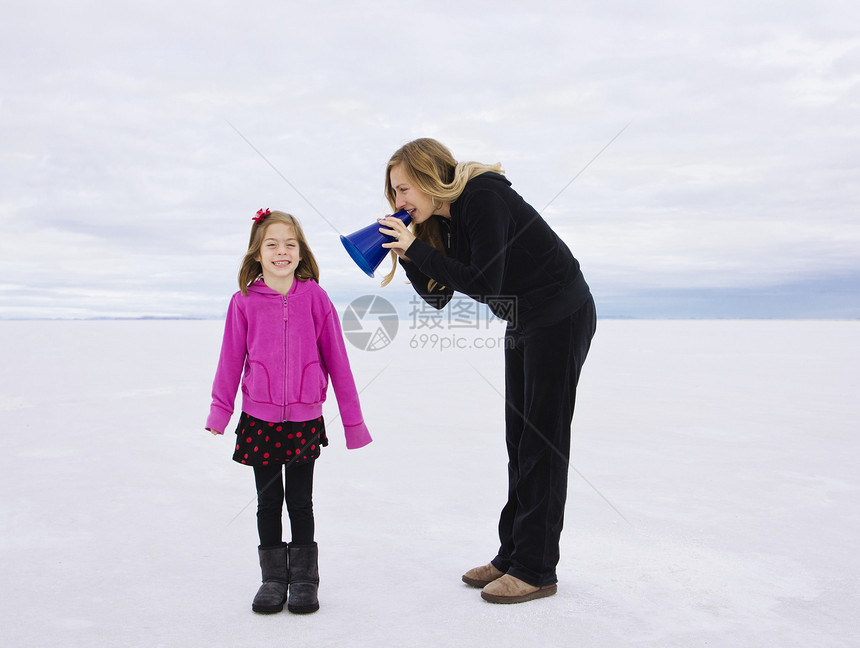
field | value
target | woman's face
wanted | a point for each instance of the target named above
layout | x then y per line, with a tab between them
410	198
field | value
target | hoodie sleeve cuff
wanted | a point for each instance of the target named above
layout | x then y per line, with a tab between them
218	420
357	436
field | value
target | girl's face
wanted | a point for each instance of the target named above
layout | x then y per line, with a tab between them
408	197
279	255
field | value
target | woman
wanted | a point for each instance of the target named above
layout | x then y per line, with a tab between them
472	233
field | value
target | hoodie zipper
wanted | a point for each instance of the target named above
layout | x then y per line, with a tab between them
447	226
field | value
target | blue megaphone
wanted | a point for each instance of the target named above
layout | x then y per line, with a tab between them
365	245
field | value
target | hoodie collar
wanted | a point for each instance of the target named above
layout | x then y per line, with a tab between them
260	287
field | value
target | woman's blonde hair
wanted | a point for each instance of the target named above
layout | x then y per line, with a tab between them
430	167
251	268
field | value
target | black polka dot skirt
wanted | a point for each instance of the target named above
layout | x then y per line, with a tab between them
260	443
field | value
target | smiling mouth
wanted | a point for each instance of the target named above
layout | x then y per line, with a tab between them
281	264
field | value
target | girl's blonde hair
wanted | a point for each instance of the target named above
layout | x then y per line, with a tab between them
430	167
251	268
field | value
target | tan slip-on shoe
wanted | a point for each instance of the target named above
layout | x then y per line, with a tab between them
509	589
482	576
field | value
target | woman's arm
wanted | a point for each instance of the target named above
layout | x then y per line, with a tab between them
489	229
438	298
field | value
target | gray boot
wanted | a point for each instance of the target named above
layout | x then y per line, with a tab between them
272	594
304	579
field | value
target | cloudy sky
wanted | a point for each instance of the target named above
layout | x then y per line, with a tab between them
127	181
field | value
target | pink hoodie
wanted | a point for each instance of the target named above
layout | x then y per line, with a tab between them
284	349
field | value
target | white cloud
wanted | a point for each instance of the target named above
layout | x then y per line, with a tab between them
738	168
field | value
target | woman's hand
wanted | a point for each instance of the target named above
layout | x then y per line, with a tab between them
214	432
403	237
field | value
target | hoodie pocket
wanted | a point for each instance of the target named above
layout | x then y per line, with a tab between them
257	383
313	384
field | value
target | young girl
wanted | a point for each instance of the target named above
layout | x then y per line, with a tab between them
283	339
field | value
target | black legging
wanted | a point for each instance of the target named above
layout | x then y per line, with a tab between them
298	496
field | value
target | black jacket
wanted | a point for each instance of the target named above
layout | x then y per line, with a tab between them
502	253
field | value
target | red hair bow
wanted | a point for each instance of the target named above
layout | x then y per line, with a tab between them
261	215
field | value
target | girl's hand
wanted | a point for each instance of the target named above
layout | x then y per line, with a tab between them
395	227
214	432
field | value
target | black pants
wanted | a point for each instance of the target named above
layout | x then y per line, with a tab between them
298	494
542	366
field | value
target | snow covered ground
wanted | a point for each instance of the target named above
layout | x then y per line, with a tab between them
713	498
